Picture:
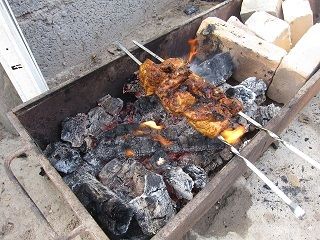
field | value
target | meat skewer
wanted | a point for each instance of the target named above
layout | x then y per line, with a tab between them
255	123
295	208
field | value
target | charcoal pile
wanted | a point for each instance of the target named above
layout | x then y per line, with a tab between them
133	165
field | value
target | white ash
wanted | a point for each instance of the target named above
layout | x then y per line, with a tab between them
265	113
154	208
258	86
181	182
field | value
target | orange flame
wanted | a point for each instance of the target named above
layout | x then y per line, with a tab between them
129	153
162	140
151	124
232	136
193	43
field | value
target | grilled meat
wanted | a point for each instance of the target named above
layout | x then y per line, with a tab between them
184	93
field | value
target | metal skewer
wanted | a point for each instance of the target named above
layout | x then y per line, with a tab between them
295	208
252	121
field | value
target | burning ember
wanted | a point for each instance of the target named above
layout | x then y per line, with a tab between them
151	124
233	136
129	153
193	43
164	142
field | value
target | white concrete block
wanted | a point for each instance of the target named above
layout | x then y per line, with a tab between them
270	28
299	15
297	67
236	22
252	55
248	7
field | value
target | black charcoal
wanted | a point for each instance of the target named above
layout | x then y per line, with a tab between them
110	211
190	9
226	154
111	105
105	151
154	208
198	175
217	70
64	158
98	118
225	87
124	178
181	182
242	93
74	129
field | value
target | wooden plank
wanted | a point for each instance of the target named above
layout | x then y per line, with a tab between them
217	187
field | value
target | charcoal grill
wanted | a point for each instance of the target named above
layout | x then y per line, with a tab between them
38	123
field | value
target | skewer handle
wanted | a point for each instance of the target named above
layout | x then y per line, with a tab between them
295	208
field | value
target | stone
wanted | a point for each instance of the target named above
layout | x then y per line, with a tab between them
62	157
251	55
299	15
297	67
74	129
216	70
236	22
154	208
190	9
249	7
181	183
270	28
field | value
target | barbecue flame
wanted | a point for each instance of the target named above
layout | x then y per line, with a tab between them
151	124
193	43
162	140
233	136
129	153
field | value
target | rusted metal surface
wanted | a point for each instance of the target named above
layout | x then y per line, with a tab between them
38	122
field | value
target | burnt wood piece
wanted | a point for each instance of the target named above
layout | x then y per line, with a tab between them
154	208
125	178
112	213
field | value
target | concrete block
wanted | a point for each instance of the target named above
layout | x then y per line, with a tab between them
297	67
249	7
270	28
251	55
299	15
236	22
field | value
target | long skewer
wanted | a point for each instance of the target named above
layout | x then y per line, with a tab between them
252	121
295	208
